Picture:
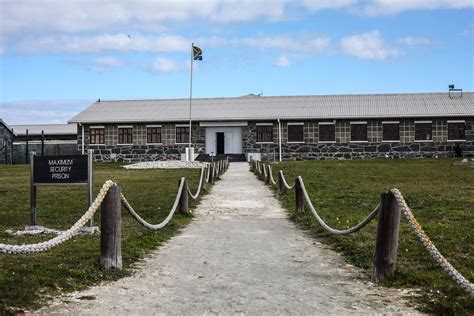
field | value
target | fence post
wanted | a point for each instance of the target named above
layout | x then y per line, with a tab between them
299	197
183	199
386	243
280	185
110	230
267	180
203	170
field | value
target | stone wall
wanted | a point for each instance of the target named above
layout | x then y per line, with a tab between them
6	139
343	148
310	148
168	149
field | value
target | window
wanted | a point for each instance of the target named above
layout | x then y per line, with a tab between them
295	133
182	134
327	132
358	131
456	130
97	135
423	131
391	131
153	134
125	135
264	133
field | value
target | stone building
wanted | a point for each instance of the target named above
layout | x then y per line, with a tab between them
290	127
6	143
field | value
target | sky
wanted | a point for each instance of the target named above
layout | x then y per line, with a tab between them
59	56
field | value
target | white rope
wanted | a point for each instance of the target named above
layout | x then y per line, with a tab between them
272	181
68	234
430	247
264	167
330	229
201	180
166	220
289	187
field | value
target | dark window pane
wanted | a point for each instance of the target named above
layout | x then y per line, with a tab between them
125	136
295	133
391	132
265	133
423	131
97	136
153	135
359	132
182	135
327	133
456	131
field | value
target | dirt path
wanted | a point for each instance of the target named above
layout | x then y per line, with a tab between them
240	255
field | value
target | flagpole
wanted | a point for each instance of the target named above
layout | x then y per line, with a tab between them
190	103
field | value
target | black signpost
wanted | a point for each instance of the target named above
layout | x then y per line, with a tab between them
60	170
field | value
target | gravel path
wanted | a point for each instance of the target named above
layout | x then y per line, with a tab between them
240	255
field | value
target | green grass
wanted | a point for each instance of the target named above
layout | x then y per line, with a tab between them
28	281
441	196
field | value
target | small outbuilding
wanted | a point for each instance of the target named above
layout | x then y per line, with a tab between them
6	143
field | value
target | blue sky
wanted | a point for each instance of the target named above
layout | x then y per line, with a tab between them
57	57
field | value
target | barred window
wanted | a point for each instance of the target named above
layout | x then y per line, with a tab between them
295	133
182	134
423	131
327	132
153	135
359	132
97	136
456	131
391	131
125	135
264	133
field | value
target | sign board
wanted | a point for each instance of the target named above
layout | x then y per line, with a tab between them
60	169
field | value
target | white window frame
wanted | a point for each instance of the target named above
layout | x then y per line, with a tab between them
264	124
153	126
294	123
454	122
123	127
391	122
427	140
327	141
359	123
180	125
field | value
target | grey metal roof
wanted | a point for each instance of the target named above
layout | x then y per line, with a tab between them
7	126
49	129
283	107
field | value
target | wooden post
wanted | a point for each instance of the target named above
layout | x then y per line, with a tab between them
203	170
211	172
110	230
299	197
280	185
386	244
267	180
183	199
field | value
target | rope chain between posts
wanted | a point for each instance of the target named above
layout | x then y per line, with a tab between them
326	226
289	187
264	167
201	180
272	181
430	247
68	234
144	223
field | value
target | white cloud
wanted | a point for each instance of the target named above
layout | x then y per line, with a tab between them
41	111
307	45
283	62
386	7
165	65
316	5
416	41
368	45
105	42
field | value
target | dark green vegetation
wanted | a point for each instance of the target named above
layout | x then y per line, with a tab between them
441	196
27	281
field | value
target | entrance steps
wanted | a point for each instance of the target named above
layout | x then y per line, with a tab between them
232	157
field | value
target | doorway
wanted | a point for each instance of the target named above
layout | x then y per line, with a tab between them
220	143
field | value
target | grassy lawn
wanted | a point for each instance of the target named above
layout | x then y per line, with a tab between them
441	196
27	281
